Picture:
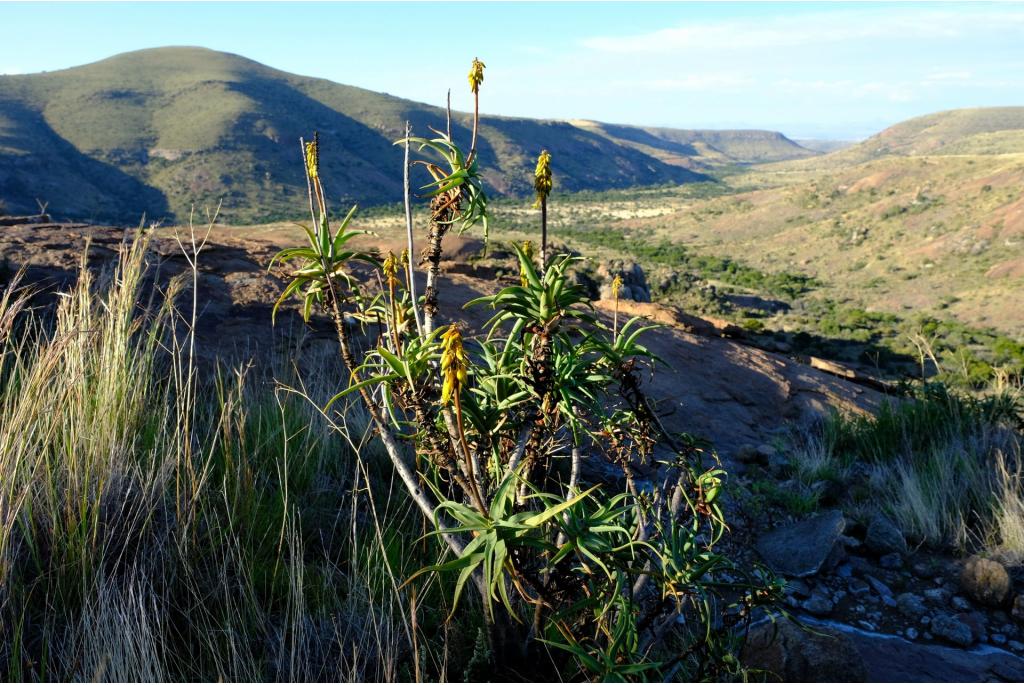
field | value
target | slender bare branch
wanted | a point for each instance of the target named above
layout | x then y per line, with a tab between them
409	235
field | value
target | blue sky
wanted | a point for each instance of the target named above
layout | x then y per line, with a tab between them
808	69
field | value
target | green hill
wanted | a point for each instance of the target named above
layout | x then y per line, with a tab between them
983	131
157	131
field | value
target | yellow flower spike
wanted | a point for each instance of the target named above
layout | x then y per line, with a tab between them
453	364
616	286
313	158
528	249
476	75
542	182
390	269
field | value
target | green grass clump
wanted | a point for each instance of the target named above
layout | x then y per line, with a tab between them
944	465
162	522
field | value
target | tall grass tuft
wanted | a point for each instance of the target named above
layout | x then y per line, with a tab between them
161	521
944	465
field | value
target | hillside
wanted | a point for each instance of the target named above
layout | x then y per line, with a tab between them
839	258
983	130
157	131
701	149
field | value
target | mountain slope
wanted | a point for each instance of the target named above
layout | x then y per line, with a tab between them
983	130
701	149
161	130
934	224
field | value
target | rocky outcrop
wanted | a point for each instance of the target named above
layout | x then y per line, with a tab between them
801	549
634	281
887	658
787	652
884	537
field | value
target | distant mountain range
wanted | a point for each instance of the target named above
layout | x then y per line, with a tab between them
159	131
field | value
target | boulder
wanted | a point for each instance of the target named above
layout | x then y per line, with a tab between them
911	605
634	281
891	561
985	581
800	549
884	537
1018	608
818	605
798	588
878	586
793	654
952	630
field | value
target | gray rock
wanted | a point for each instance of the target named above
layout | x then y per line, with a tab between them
866	625
998	639
977	622
796	655
884	537
911	633
922	570
798	588
835	557
1015	646
960	604
818	606
844	570
891	561
749	454
953	630
926	620
1018	608
800	549
937	595
860	565
911	605
838	596
858	587
878	586
888	601
985	580
850	542
634	281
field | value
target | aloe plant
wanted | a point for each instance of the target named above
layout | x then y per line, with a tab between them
490	432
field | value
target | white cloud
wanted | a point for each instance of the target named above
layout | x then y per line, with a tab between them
954	75
690	82
902	23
